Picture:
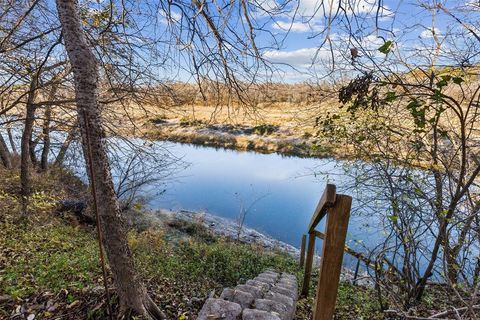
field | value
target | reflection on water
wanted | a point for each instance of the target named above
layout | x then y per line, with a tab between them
283	190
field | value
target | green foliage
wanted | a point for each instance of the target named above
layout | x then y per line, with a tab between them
393	218
354	302
417	110
445	79
390	96
188	122
457	80
264	129
180	262
158	120
386	47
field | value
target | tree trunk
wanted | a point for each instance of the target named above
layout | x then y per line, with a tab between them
46	129
25	143
5	154
31	149
46	138
12	141
63	149
132	293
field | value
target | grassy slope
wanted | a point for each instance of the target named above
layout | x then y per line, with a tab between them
49	264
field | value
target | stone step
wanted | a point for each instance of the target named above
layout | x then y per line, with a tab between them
253	314
220	309
269	296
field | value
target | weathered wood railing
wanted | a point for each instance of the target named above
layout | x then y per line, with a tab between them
337	209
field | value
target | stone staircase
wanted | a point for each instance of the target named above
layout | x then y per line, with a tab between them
270	296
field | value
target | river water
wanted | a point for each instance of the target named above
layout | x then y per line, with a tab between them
279	193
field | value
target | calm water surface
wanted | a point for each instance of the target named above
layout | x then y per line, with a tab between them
282	191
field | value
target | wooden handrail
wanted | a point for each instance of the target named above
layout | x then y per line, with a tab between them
348	250
360	256
326	201
332	257
337	209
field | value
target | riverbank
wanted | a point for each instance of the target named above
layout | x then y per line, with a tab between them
231	230
49	260
264	138
218	226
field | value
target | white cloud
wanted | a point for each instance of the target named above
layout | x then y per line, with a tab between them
428	33
172	17
318	8
295	58
296	26
303	57
371	42
472	5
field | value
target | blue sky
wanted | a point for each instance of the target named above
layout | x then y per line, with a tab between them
408	23
293	36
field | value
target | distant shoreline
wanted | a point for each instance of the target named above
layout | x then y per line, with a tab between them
243	138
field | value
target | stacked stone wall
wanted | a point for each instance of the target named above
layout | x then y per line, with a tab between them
270	296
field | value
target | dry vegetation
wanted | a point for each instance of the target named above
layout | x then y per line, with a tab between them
278	118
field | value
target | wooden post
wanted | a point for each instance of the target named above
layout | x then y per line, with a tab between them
302	250
356	271
308	265
332	257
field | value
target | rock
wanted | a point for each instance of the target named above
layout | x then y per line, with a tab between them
254	291
227	294
244	299
284	311
214	309
285	291
288	276
251	314
269	274
259	284
269	280
290	285
278	303
77	208
286	300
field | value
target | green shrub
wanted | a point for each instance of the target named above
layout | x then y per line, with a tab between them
264	129
189	122
158	120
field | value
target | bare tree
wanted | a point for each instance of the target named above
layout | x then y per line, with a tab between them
5	153
411	111
132	293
